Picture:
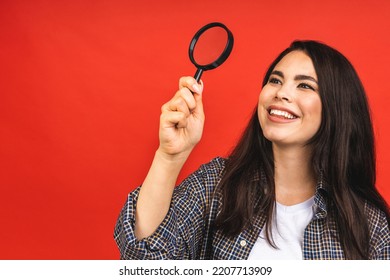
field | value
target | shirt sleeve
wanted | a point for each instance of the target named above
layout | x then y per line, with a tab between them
181	233
383	252
382	248
380	235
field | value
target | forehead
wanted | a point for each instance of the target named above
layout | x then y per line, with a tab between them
296	63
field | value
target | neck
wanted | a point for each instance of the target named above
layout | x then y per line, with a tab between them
295	179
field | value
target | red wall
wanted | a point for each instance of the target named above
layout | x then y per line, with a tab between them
82	83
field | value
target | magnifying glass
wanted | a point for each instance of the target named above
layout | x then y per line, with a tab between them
210	47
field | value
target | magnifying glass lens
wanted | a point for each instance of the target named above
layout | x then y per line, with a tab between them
210	45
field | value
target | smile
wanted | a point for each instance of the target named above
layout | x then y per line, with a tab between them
282	114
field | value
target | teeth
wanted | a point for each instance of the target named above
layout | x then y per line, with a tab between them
282	114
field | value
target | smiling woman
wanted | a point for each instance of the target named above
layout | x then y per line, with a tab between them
289	104
81	87
300	183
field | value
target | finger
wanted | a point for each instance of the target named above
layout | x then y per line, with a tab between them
191	84
198	110
178	103
186	95
189	97
173	119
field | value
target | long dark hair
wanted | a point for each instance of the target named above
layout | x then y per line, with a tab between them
343	152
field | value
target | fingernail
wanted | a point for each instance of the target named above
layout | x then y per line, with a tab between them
196	88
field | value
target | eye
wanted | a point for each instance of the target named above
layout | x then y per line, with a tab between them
274	80
306	86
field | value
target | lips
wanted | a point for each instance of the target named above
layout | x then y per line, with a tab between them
282	113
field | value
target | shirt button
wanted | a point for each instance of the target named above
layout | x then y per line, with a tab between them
243	243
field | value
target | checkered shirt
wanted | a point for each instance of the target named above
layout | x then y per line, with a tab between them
186	231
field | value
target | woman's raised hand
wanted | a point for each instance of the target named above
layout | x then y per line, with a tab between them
182	119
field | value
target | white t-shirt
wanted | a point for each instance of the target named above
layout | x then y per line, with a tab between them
287	231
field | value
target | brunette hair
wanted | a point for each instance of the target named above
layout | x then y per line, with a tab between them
343	153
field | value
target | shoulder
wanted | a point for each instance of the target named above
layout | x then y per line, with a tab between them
376	217
215	166
205	178
208	172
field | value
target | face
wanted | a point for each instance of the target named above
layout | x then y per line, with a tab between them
289	107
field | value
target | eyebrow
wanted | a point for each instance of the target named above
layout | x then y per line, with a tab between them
296	78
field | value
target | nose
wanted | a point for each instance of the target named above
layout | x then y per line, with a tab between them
283	94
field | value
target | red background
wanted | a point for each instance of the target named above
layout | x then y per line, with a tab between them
82	83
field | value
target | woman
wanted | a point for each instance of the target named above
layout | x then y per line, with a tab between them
300	184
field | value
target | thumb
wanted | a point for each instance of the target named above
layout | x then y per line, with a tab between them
198	94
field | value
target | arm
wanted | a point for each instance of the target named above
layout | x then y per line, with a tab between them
181	127
184	233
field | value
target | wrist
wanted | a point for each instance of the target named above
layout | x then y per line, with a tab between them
175	159
165	168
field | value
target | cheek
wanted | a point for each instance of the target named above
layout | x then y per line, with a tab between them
262	105
313	108
264	97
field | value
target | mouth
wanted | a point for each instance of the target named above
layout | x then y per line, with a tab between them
283	114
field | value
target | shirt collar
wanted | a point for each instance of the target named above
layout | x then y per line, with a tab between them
320	208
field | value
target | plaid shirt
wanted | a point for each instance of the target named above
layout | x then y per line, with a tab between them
186	230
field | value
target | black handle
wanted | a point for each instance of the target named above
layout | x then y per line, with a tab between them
198	74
